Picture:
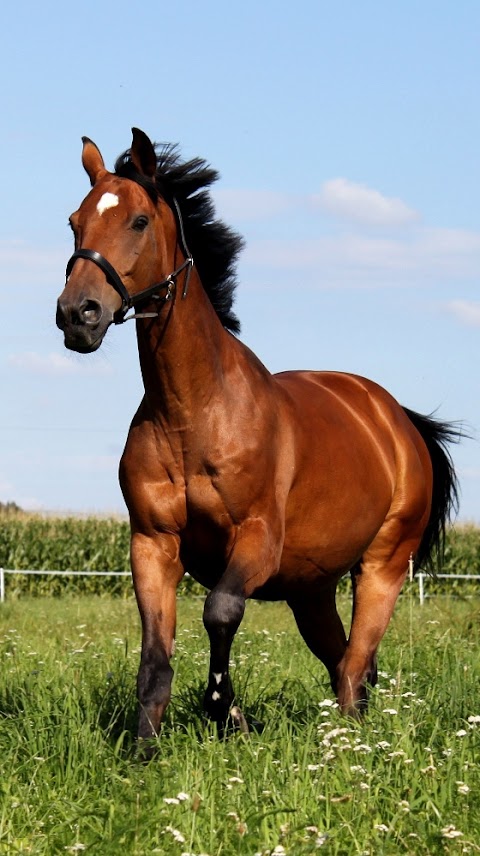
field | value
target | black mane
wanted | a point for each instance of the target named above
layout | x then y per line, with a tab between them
213	245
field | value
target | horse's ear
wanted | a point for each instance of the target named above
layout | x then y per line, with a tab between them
92	161
143	154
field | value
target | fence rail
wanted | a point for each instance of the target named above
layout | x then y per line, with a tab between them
419	578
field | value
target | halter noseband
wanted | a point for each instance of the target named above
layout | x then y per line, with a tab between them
129	301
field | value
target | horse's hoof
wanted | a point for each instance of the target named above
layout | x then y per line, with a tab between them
146	749
238	720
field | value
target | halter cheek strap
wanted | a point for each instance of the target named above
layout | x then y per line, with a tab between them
152	292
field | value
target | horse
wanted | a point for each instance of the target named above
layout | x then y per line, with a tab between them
260	486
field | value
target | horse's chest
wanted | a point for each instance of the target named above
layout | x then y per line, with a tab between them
209	532
205	500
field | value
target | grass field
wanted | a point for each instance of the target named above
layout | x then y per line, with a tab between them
406	780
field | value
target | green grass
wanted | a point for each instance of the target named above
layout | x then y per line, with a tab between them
309	781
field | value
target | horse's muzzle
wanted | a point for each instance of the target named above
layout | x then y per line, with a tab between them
84	324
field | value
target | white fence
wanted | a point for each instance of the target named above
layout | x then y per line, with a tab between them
420	578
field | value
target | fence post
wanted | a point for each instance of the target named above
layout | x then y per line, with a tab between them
421	590
2	586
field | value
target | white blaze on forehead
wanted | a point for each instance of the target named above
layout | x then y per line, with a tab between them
108	200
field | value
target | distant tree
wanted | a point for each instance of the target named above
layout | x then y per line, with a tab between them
9	508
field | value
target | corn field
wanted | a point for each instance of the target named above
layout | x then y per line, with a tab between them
36	542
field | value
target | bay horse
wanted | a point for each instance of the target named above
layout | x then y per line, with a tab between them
258	485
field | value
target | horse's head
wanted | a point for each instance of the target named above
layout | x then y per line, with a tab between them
125	239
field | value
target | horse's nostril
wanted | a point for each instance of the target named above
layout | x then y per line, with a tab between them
61	318
90	312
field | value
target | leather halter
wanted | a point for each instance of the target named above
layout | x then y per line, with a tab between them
129	301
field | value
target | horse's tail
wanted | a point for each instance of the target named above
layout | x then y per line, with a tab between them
445	492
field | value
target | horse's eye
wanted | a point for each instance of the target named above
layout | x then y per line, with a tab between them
140	224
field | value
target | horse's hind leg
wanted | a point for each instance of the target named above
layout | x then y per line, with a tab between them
377	584
321	627
371	674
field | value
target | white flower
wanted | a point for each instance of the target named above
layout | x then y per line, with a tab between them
176	834
334	733
313	767
380	827
461	733
462	788
450	832
391	711
171	801
237	779
383	744
183	796
327	702
474	719
279	851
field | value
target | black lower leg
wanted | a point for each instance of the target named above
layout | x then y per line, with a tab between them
153	692
222	615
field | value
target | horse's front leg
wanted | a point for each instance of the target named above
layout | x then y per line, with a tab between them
156	570
224	608
253	559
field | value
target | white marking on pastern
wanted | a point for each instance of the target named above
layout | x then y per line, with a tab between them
218	677
215	695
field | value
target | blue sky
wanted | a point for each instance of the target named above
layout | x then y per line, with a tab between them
347	136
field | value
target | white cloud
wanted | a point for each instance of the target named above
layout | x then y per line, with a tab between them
358	259
362	204
57	364
466	311
339	196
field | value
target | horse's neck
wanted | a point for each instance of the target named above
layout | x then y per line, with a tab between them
183	356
